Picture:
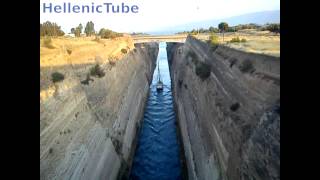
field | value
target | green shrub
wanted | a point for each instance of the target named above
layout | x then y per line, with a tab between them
243	40
235	40
47	42
57	77
213	39
97	71
246	66
203	70
109	34
124	51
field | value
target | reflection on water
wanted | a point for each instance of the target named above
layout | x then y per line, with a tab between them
157	153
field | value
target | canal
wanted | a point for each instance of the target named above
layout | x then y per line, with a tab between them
157	154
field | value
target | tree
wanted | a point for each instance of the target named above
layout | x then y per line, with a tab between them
77	32
107	33
80	28
223	26
274	28
50	29
73	31
213	30
89	29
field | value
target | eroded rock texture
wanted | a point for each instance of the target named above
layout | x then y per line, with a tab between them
228	106
88	127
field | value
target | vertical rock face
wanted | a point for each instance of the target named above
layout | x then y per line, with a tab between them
88	127
228	106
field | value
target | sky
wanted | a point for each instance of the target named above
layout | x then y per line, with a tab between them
155	14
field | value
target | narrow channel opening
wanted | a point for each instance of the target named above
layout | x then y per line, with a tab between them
157	154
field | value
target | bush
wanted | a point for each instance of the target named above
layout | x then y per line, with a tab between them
69	51
203	70
47	42
57	77
97	71
235	40
246	66
243	40
213	39
234	106
109	34
124	51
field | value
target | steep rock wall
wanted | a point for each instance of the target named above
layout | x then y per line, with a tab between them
229	118
88	126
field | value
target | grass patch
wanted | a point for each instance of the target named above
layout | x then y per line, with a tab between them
203	70
57	77
97	71
246	66
47	42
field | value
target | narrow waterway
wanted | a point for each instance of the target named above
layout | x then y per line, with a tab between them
157	154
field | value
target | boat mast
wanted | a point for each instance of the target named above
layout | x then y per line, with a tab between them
158	72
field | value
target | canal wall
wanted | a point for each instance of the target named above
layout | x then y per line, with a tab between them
228	109
88	124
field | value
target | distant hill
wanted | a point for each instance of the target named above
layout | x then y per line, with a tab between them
257	17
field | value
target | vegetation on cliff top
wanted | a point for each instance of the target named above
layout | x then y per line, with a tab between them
57	77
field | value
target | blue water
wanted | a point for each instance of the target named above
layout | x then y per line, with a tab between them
157	154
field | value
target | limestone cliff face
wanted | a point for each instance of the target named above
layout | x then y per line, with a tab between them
88	126
228	106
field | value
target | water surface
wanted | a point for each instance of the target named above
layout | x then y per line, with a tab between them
157	154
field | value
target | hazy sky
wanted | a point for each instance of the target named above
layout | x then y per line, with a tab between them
156	14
